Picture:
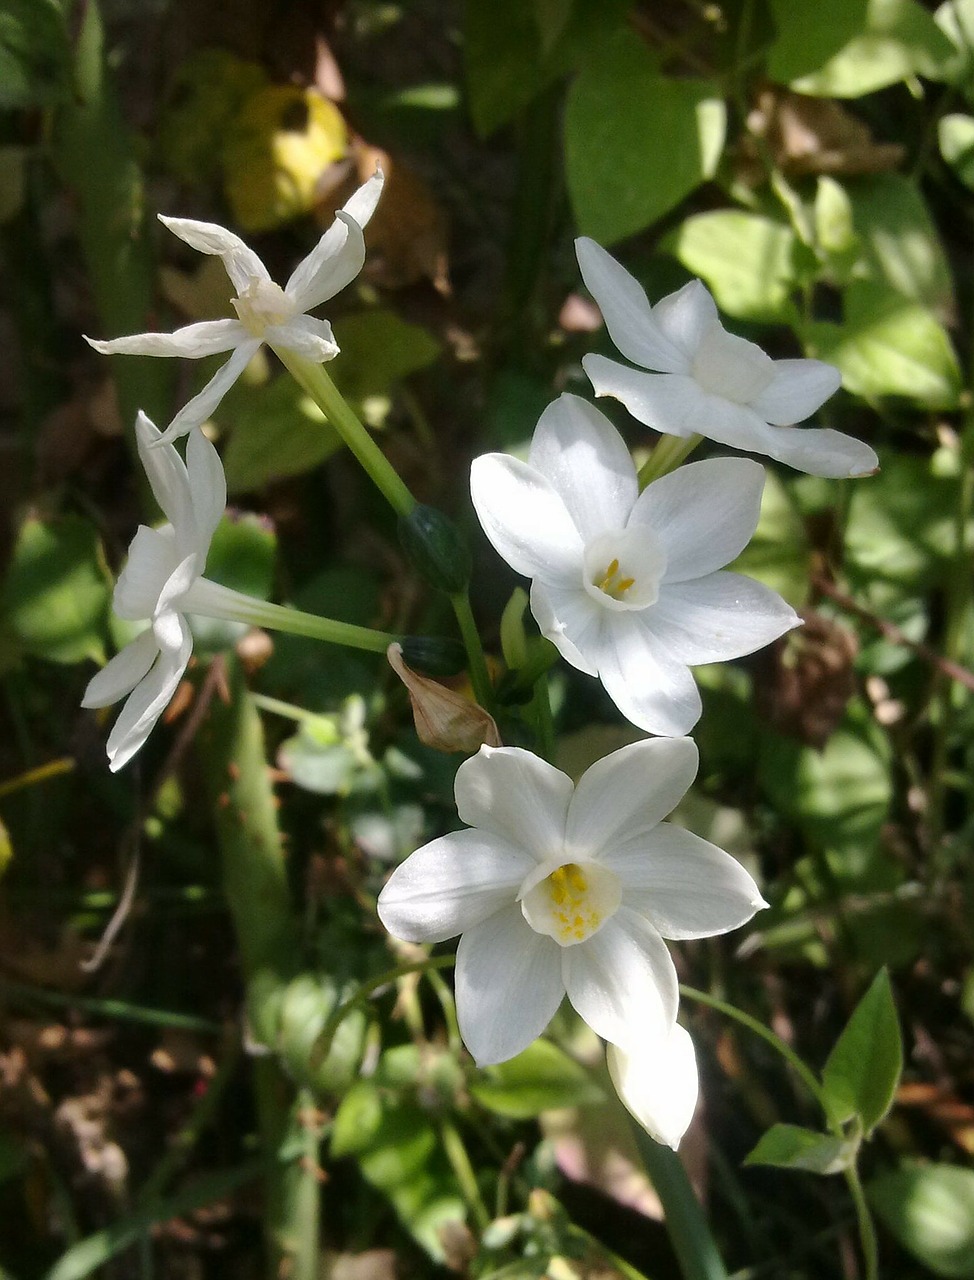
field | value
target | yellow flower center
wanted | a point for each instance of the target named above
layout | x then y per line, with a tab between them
612	581
261	304
571	902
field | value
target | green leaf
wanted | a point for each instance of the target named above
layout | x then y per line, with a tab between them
956	136
378	350
747	261
318	760
57	590
898	39
34	54
241	556
930	1210
278	431
542	1078
808	35
955	18
863	1070
619	104
890	346
789	1146
779	554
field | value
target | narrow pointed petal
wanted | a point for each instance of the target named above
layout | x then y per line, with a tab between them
452	884
626	311
166	473
332	264
684	886
525	519
704	513
668	402
208	490
517	796
146	703
242	264
119	677
658	1083
362	203
197	410
508	986
207	338
305	336
685	317
650	687
816	451
586	461
627	794
622	980
721	616
798	388
572	621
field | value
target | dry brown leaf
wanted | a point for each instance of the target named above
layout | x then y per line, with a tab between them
815	135
445	718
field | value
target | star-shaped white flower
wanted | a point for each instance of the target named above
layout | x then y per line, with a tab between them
710	382
626	585
568	889
657	1080
265	311
160	583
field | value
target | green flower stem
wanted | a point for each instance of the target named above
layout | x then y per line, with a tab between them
316	382
864	1219
463	1171
684	1218
476	662
256	887
667	454
544	724
216	601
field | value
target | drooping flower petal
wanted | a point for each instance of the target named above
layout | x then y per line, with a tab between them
656	1078
452	884
798	388
586	462
652	689
193	341
508	986
628	793
525	519
305	336
672	403
719	617
242	265
705	513
201	406
626	310
622	980
121	674
517	796
685	886
147	701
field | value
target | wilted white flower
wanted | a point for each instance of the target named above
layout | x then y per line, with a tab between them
657	1080
568	889
710	382
626	584
265	311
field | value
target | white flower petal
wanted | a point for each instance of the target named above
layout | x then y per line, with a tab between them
815	451
119	677
684	317
621	981
626	310
704	513
798	388
332	264
206	338
517	796
572	621
586	461
305	336
197	410
151	560
525	519
242	264
685	886
628	793
658	1083
146	703
450	885
508	986
718	617
672	403
651	688
362	203
208	490
166	473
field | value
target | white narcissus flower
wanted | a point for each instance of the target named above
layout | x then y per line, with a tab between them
265	311
160	583
657	1081
710	382
626	585
570	889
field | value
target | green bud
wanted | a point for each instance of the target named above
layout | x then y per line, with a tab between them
436	548
434	655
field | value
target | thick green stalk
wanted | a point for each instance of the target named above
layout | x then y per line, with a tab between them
667	454
476	662
684	1218
314	379
256	887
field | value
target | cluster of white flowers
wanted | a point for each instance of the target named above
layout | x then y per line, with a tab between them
557	889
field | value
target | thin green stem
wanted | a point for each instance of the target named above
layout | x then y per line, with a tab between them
685	1220
314	379
100	1008
53	769
463	1171
864	1219
667	454
476	662
544	724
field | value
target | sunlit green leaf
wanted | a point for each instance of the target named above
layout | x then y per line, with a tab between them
277	431
930	1210
809	35
956	136
636	141
789	1146
863	1070
34	53
745	259
378	350
541	1078
779	554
